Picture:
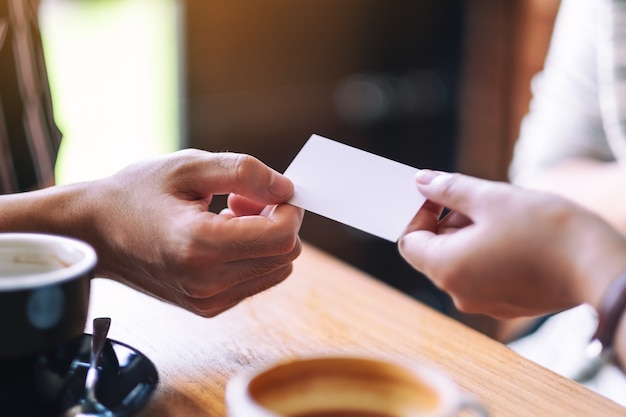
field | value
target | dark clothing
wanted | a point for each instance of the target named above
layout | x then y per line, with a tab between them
29	138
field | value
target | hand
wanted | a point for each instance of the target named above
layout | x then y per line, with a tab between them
151	227
510	252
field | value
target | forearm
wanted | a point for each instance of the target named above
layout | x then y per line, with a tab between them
593	184
64	210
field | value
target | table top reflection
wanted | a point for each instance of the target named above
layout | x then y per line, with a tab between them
326	307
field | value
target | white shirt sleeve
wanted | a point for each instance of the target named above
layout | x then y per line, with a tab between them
564	119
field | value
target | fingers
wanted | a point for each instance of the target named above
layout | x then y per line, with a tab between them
204	283
426	218
224	173
452	222
214	305
225	287
468	195
249	177
247	230
439	248
411	247
242	206
231	238
208	291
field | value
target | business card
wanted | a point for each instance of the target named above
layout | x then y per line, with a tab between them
357	188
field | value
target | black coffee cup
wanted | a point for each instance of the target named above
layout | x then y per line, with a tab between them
44	300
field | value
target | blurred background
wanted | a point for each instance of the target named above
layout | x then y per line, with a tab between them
436	84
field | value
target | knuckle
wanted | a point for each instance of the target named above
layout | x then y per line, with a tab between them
290	245
266	282
246	167
199	291
267	267
449	184
189	152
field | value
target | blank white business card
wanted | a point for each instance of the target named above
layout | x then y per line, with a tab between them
357	188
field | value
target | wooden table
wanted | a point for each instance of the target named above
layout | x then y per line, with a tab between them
325	307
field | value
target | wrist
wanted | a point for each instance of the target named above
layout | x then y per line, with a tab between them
62	210
599	264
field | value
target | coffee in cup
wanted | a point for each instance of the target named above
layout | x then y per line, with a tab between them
345	387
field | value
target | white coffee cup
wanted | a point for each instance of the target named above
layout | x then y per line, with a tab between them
346	387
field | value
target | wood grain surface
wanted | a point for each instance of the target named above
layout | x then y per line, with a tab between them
326	307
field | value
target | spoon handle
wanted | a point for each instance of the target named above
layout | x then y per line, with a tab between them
100	331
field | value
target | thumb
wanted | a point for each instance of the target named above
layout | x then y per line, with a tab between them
246	176
457	192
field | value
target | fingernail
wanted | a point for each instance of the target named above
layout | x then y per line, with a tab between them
425	176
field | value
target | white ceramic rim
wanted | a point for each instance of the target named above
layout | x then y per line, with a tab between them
25	282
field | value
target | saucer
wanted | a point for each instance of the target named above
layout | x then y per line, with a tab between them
126	382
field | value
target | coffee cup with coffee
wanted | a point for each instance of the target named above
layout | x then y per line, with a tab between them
344	386
44	300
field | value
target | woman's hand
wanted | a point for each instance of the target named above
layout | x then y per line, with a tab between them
509	252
